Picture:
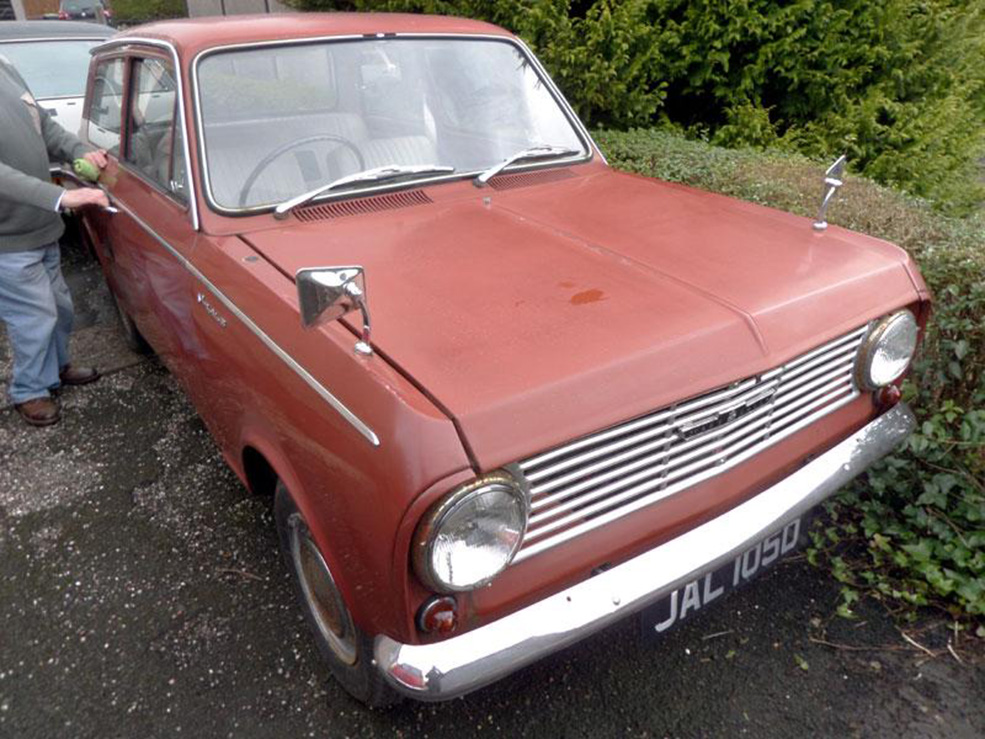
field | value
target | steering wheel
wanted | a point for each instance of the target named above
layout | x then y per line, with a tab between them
284	148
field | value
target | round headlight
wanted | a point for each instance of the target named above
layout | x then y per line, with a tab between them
887	350
472	534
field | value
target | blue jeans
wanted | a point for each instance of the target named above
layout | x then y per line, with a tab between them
37	307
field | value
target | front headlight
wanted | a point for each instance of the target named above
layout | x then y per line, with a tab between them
887	350
472	534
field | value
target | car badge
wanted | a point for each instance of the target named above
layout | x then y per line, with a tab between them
688	429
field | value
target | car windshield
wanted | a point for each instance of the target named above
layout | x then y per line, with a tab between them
282	121
51	68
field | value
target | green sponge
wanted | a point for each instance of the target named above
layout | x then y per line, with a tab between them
86	170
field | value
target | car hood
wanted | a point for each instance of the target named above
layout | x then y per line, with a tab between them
542	313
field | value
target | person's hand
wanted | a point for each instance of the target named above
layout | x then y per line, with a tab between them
84	196
97	158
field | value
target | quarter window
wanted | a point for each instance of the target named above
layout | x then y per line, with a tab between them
105	113
153	146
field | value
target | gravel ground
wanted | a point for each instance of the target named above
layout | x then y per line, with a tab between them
141	594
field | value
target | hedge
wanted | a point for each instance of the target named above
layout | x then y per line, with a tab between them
898	85
141	11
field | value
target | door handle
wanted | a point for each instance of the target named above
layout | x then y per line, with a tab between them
110	209
70	175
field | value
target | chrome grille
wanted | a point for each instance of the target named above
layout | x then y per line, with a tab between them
591	481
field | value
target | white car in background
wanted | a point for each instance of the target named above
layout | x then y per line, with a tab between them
53	58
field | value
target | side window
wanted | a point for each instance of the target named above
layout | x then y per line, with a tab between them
106	111
154	147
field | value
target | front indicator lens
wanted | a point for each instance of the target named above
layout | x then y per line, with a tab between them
472	535
887	351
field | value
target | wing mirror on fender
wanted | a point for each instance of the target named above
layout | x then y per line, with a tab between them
329	293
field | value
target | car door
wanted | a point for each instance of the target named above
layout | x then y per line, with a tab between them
103	128
153	232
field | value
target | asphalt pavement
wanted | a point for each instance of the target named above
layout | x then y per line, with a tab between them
142	595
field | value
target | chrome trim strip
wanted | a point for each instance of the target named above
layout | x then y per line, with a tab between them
658	430
559	96
52	38
61	97
683	408
592	481
692	455
851	335
325	394
645	421
822	360
179	79
67	174
580	129
671	489
446	669
837	371
601	471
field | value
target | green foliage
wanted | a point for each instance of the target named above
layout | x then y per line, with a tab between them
138	11
898	85
244	97
606	60
912	530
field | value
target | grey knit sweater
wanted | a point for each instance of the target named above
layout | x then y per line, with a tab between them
28	137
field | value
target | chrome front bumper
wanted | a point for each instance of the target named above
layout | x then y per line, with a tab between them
463	663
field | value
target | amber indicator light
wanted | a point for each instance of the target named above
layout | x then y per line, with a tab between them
888	396
438	615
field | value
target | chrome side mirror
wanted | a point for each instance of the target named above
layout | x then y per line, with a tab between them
832	181
329	293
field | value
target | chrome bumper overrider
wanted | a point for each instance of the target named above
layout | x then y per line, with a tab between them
476	658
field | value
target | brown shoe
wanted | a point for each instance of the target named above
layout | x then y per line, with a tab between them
39	411
71	375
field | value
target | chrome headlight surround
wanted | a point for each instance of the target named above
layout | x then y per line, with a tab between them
437	537
886	351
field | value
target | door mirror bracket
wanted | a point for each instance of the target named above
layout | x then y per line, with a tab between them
329	293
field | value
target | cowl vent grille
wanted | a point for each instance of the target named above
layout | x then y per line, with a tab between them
525	179
375	204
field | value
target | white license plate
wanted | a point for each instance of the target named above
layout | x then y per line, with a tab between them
698	594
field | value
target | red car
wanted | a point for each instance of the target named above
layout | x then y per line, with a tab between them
585	394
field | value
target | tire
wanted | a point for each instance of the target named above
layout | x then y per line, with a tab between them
131	334
344	646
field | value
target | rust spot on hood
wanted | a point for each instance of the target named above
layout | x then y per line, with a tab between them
587	296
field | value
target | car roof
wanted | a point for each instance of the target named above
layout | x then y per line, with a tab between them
192	35
12	30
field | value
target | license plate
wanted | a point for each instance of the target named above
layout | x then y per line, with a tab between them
698	594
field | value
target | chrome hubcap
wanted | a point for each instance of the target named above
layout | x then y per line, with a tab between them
323	597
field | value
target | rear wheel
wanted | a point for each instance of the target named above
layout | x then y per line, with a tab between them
346	648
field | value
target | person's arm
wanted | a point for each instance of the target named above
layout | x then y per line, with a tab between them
62	145
17	187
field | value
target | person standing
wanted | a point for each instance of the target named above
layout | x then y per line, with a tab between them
35	303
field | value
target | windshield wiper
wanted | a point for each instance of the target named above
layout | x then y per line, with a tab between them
534	152
376	174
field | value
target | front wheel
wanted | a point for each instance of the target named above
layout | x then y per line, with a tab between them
346	648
